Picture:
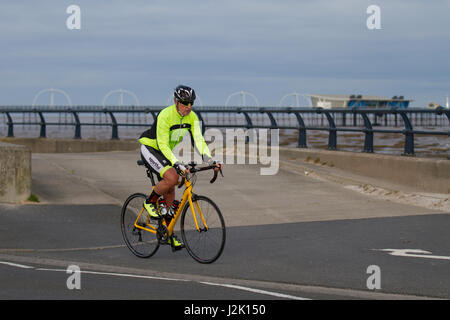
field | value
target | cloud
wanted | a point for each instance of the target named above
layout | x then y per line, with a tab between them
270	47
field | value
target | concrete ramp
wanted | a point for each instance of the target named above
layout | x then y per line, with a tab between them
244	196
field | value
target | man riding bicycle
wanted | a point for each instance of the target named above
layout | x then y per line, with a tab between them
169	128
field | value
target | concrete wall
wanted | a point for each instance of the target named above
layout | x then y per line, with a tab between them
427	174
15	173
44	145
430	175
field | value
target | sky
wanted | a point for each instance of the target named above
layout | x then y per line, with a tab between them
267	49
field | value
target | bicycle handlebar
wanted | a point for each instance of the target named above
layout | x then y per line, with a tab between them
215	174
193	169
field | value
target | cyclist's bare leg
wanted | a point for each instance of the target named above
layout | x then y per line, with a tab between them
166	187
170	196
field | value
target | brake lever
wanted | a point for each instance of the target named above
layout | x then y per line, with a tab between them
215	175
214	178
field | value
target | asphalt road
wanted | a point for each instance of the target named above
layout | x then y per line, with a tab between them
303	260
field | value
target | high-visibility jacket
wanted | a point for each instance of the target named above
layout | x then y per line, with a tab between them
169	129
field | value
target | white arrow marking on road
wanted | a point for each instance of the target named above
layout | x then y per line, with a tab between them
415	253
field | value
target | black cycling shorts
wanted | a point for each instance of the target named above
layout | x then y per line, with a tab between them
155	160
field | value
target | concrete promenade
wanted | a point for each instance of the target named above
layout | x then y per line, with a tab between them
300	191
419	181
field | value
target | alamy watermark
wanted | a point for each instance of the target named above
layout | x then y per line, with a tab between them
374	280
74	280
374	20
73	22
237	146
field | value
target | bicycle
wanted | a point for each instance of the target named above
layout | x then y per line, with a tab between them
202	225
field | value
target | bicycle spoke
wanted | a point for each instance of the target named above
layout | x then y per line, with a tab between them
135	221
206	243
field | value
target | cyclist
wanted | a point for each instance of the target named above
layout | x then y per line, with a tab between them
171	124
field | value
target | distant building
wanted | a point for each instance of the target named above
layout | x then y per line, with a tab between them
332	101
433	105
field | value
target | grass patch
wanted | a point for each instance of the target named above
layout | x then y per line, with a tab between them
33	198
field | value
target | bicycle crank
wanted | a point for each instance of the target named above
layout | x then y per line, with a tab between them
163	234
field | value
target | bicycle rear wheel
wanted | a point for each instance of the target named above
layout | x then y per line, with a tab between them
205	243
143	243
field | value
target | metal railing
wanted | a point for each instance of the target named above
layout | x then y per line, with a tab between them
332	117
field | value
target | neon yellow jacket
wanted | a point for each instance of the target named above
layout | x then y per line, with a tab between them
169	129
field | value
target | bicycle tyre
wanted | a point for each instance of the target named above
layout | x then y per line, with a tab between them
204	246
141	243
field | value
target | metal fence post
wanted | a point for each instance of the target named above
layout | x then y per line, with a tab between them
249	123
114	133
409	135
42	124
77	125
332	135
10	125
368	134
273	123
301	131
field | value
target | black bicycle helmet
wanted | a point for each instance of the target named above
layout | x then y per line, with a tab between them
184	94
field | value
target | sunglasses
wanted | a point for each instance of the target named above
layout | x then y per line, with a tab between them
186	103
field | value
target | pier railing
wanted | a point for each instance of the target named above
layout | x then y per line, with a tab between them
333	121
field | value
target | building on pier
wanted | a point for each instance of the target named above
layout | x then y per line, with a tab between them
334	101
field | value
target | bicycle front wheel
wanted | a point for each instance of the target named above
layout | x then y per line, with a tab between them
203	230
139	234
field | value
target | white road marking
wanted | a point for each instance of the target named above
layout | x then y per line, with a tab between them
415	253
16	265
116	274
270	293
231	286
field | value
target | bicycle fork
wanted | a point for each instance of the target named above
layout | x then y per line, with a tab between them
205	226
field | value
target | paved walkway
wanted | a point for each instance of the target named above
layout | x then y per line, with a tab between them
298	193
